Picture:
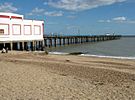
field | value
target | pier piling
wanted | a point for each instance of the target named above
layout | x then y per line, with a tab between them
67	40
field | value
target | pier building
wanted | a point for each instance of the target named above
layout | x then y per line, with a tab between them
18	33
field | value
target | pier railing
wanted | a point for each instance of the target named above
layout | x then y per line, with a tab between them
53	41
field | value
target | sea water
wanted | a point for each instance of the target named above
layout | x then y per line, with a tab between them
121	48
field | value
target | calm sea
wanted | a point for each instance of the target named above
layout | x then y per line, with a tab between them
124	47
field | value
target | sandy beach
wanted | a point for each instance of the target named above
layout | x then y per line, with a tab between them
36	76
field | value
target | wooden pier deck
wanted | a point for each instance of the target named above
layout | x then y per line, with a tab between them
53	41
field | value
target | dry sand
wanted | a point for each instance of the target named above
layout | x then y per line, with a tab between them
35	76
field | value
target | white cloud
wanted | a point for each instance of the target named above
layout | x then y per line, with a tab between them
36	11
39	12
120	19
104	21
7	7
54	13
79	5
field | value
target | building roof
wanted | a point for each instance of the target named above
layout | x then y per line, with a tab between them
10	14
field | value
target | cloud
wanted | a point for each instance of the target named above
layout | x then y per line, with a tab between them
39	12
7	7
120	19
54	13
103	21
36	11
79	5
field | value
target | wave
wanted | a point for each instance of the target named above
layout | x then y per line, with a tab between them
90	55
58	53
102	56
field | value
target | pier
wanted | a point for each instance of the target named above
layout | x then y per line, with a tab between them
54	41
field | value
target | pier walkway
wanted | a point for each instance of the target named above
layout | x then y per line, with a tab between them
53	41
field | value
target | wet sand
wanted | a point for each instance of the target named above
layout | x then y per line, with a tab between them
36	76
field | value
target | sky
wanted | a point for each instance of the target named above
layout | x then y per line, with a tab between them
77	17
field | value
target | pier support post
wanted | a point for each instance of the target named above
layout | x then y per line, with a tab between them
97	39
87	39
34	45
68	41
50	44
11	46
63	41
45	42
94	39
55	42
81	40
23	45
42	45
60	41
103	38
76	40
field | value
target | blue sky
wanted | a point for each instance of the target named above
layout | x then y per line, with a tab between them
76	17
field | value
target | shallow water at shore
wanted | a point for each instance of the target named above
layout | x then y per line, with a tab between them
123	48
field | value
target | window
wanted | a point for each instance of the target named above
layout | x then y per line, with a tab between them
4	29
27	30
16	29
1	31
37	30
